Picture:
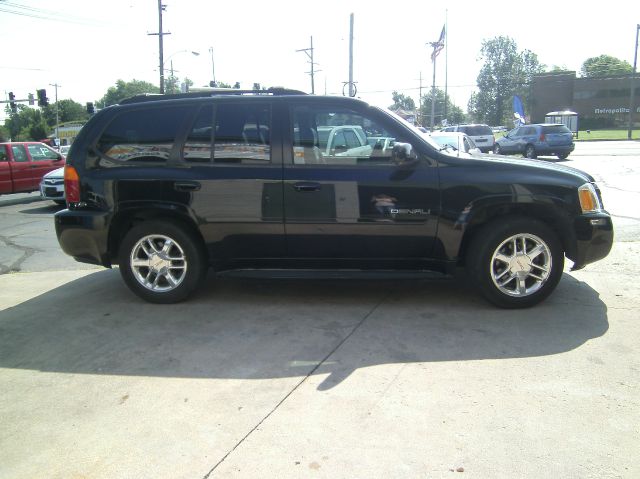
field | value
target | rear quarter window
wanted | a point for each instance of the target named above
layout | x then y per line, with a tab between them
555	129
145	135
477	130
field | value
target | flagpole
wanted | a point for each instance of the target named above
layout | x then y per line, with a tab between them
437	47
433	95
446	61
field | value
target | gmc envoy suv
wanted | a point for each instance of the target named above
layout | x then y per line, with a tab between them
166	186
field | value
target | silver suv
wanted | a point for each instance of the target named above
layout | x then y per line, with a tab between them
481	134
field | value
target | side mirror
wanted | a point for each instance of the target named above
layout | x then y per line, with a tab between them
402	154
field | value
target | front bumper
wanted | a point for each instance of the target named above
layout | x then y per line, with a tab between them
83	234
52	191
594	238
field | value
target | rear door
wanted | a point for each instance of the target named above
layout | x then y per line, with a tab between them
22	169
356	205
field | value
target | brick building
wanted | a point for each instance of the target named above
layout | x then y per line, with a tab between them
601	102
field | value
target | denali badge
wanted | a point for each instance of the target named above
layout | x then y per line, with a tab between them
407	211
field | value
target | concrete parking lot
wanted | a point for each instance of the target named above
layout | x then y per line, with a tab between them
319	378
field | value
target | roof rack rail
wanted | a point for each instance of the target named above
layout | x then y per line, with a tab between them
204	92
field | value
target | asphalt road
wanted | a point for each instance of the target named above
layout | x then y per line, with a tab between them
375	379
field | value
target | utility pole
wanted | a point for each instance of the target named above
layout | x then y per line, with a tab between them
160	34
57	118
309	53
420	119
633	85
352	90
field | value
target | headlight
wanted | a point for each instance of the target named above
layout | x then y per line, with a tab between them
589	201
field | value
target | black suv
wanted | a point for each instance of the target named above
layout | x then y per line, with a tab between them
280	182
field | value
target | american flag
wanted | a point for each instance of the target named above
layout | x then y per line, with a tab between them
439	45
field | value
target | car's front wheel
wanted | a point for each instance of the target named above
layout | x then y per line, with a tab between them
515	262
497	150
530	152
162	262
563	156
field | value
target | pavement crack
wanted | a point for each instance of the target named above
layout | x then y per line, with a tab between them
300	383
15	266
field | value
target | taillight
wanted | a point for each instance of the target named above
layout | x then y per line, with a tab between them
542	137
71	184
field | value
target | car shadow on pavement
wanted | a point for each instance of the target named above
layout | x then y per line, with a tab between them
259	329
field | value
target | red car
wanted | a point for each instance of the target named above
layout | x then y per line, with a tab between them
23	164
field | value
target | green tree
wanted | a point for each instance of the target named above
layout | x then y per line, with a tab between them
505	73
123	90
68	110
455	115
604	65
402	101
27	124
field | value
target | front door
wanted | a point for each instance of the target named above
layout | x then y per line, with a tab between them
357	201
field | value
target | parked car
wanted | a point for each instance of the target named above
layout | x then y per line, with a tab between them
481	134
537	139
459	144
166	187
23	164
52	186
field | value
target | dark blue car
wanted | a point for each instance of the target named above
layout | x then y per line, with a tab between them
534	140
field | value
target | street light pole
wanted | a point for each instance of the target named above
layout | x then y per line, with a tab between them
633	85
213	66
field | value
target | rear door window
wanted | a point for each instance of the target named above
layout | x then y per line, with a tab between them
19	153
239	132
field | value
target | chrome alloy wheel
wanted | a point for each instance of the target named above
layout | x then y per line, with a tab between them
158	263
521	265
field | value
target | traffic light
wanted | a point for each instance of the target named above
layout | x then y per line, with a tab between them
42	97
90	108
12	103
31	100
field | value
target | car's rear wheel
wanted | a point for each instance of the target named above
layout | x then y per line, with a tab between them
515	262
162	262
563	156
530	152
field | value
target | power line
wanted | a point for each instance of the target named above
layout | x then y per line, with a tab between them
41	14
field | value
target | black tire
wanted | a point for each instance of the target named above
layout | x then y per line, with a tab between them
176	262
60	202
497	150
503	273
563	156
530	152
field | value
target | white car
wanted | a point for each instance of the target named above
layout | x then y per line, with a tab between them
458	144
52	186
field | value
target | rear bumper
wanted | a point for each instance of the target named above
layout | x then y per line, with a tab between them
84	235
556	150
594	238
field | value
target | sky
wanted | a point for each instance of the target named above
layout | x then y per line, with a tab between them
85	46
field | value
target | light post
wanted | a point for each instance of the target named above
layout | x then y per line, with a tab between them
213	66
633	85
